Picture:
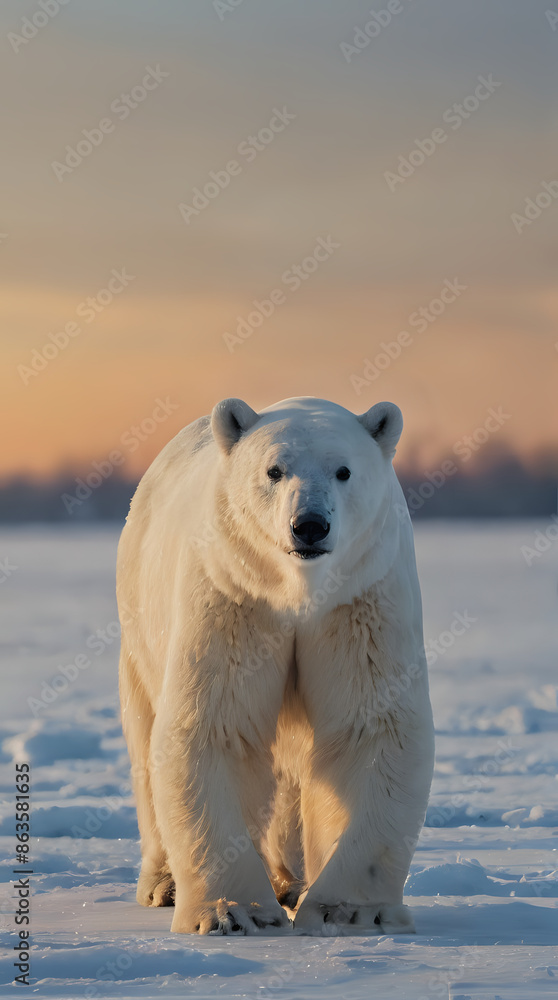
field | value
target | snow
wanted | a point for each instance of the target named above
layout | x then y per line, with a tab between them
484	882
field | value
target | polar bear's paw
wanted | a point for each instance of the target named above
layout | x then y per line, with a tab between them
226	917
349	918
155	888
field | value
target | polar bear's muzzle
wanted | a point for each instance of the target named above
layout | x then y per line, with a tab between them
308	530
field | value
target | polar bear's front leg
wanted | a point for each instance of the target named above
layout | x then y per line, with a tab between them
383	785
220	879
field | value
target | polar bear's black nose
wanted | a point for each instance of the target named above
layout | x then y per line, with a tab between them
309	528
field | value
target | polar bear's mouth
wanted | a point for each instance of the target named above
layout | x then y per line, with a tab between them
308	553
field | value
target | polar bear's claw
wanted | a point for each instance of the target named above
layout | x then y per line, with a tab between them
396	919
289	898
226	917
155	889
349	918
163	893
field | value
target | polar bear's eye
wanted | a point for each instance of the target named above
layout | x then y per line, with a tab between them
274	473
343	473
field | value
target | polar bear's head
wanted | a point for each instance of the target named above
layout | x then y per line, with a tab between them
306	484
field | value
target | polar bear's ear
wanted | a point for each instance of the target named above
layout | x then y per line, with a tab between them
229	420
384	422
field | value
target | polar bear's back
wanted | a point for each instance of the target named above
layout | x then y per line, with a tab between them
168	509
178	456
179	470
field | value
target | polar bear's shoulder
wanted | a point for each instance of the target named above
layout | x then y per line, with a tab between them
188	441
168	476
181	451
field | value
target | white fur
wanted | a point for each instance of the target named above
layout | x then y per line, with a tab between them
276	709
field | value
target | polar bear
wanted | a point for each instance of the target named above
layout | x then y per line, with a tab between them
273	677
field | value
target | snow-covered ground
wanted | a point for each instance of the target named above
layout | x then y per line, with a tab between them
483	884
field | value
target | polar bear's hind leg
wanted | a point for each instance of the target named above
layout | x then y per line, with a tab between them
155	884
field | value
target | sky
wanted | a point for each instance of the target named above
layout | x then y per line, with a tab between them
208	199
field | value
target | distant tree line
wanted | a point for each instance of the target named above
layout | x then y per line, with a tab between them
499	486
